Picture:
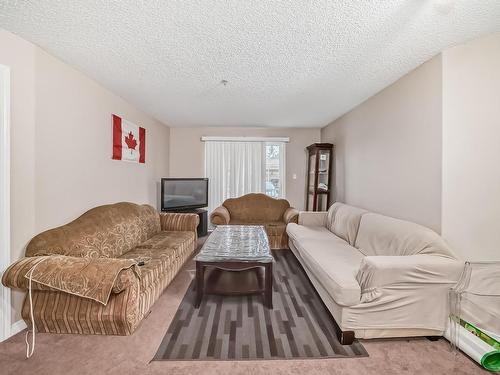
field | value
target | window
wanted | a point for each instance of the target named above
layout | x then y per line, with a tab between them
274	169
239	166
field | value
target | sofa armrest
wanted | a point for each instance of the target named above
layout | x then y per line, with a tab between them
126	278
16	276
291	215
417	270
220	216
312	219
171	221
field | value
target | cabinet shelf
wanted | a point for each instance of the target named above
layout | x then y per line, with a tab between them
319	191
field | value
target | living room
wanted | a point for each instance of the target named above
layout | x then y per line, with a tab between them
371	128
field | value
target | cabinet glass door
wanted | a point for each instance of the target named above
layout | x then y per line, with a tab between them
320	156
322	202
323	170
312	172
311	178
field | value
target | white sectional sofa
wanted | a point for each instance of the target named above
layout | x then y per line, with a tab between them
378	276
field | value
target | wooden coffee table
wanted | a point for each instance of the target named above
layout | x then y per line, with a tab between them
240	261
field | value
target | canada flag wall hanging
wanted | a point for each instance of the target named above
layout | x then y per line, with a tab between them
129	141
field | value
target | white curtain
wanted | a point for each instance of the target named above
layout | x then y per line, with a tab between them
233	169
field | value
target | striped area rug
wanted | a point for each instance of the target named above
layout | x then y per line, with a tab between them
241	328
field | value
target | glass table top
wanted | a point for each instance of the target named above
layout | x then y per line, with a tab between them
236	243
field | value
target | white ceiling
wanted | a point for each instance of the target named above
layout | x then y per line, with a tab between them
295	63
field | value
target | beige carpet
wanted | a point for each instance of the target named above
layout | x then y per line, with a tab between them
74	354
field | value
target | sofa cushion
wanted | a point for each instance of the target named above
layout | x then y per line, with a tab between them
330	216
167	239
335	264
159	252
384	235
156	265
105	231
150	219
346	222
301	232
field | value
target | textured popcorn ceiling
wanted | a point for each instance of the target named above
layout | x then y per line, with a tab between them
288	63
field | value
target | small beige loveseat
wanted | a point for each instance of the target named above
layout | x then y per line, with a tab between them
378	276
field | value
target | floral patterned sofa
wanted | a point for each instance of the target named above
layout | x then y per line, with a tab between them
101	273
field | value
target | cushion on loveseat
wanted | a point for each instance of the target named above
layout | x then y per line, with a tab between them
272	228
384	235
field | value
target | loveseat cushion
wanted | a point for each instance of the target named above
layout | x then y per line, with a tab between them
272	228
335	264
384	235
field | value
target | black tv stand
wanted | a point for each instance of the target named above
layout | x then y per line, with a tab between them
202	229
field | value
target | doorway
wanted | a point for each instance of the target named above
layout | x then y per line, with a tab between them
5	306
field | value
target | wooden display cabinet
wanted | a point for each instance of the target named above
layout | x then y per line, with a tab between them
319	176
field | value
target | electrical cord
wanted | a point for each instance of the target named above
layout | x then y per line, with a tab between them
30	349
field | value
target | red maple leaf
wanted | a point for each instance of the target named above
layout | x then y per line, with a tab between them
130	141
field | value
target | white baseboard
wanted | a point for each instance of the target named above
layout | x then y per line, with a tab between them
17	327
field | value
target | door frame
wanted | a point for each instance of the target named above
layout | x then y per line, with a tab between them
5	294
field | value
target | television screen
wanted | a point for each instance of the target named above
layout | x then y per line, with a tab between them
184	193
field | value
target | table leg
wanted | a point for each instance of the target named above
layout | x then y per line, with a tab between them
268	293
200	281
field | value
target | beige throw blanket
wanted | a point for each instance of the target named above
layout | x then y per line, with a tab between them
91	278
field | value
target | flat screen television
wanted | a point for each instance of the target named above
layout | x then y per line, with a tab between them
183	193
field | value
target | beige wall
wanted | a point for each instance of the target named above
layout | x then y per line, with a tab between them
61	146
75	171
388	149
187	153
471	148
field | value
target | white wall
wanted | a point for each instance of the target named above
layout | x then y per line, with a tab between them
61	146
187	153
388	149
471	148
